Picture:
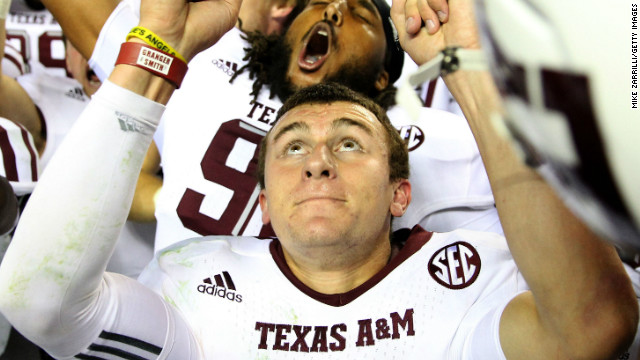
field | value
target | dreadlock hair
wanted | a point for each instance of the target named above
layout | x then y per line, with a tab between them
267	63
265	59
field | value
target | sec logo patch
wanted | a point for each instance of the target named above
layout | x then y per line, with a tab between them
455	266
412	135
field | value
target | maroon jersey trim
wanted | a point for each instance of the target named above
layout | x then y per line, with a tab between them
9	156
415	240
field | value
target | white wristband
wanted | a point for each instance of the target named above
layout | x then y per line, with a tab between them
4	8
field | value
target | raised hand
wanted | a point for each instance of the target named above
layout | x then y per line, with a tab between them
189	27
426	27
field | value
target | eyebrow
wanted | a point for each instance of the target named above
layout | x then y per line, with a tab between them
337	123
345	122
291	127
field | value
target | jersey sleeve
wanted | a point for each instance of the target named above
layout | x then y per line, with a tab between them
54	269
13	64
483	342
18	157
478	334
128	321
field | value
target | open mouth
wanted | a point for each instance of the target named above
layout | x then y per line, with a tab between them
316	47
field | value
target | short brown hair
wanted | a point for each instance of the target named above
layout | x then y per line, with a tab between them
326	93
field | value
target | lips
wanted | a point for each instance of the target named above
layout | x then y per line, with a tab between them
320	198
316	47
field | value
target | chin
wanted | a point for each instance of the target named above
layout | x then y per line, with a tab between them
302	80
320	231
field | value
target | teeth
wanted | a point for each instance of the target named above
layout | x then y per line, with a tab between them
310	59
323	33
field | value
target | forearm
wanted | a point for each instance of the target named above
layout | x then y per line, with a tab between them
567	267
73	218
81	22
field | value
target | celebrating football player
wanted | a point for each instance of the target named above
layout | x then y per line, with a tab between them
334	173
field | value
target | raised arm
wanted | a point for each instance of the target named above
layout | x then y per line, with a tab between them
54	268
581	303
81	21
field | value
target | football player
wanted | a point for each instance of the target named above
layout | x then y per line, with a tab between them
35	37
563	103
335	172
205	194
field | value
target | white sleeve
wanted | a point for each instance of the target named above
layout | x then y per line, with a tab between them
484	340
54	268
114	32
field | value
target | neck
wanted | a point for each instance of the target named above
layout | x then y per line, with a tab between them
337	269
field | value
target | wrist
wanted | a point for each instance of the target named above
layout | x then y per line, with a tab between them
153	40
147	71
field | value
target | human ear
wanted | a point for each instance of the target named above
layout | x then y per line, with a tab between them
382	81
278	17
262	199
401	198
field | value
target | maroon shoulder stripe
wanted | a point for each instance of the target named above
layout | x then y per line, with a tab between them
8	156
34	156
15	62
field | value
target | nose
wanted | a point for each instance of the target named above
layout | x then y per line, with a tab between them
319	164
334	11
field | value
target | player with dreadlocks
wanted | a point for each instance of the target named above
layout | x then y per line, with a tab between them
208	139
268	67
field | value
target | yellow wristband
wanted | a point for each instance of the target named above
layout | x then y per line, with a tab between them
154	40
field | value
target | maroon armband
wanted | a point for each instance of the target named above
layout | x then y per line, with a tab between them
153	60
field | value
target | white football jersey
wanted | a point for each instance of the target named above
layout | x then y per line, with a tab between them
18	157
440	298
208	141
13	64
60	100
38	38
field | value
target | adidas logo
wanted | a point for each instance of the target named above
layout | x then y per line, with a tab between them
223	287
227	67
76	93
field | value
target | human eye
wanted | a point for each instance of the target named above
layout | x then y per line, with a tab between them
294	148
358	14
349	144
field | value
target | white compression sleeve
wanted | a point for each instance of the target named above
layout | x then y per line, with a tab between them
51	276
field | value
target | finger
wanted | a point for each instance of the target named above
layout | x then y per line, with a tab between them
398	16
412	16
441	7
428	16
